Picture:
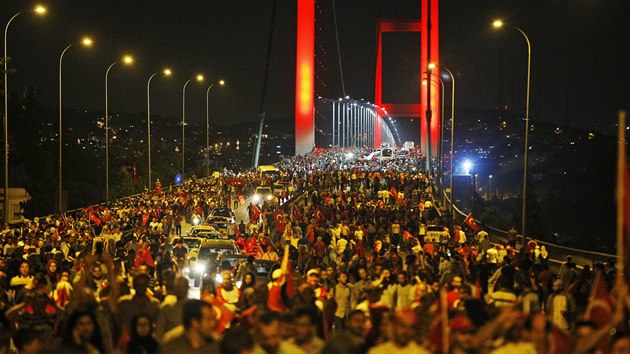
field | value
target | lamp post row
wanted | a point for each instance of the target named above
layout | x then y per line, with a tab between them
87	42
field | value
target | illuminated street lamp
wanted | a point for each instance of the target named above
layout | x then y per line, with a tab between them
166	72
199	78
499	24
127	60
86	42
40	10
222	83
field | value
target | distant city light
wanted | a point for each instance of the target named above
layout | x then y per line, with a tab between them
467	166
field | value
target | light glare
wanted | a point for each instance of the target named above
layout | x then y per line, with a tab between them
199	77
497	24
167	72
127	59
87	42
40	10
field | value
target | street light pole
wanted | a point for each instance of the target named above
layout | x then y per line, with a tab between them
107	133
39	10
127	60
60	198
86	42
450	73
198	78
499	24
221	82
184	125
525	155
166	72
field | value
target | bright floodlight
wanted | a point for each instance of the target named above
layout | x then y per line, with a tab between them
87	41
431	66
467	165
167	72
40	10
349	155
199	77
424	82
221	82
127	59
497	24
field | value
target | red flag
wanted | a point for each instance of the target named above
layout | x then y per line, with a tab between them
254	212
601	304
471	222
341	198
145	219
143	256
94	218
240	242
279	220
284	284
394	193
560	341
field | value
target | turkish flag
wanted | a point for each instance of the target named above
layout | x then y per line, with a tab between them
471	222
601	306
145	219
254	212
94	218
278	218
240	242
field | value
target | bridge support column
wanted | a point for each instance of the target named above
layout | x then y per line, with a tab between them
304	78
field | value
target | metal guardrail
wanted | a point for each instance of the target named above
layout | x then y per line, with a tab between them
559	252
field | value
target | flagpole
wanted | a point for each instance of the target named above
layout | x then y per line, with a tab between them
621	175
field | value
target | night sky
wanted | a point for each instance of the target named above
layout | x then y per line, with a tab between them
580	54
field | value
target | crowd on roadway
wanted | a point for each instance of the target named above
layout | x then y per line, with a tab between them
353	275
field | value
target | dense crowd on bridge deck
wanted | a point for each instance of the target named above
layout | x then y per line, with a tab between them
354	275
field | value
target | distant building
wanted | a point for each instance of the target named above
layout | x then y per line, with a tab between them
16	197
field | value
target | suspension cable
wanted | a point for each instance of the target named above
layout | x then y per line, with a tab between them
343	86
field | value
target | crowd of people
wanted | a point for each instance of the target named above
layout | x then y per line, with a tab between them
354	274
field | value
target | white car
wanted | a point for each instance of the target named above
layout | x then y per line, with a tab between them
261	194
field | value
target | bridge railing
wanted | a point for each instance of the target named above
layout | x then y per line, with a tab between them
558	252
348	122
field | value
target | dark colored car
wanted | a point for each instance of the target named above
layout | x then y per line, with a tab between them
230	262
224	212
208	252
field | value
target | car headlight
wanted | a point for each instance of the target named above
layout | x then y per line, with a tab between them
218	278
200	267
238	284
256	198
269	197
